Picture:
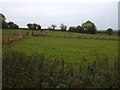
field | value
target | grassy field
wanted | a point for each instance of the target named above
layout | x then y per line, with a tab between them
73	50
59	33
79	52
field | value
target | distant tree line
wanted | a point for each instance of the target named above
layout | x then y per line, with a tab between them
7	25
34	26
87	27
62	27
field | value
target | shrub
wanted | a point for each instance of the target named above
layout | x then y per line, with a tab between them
109	31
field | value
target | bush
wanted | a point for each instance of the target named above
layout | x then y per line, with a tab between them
109	31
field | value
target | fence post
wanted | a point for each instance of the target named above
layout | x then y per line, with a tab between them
32	33
27	33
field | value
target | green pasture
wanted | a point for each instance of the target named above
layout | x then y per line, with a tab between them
70	49
59	33
58	62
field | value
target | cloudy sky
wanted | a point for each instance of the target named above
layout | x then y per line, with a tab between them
104	13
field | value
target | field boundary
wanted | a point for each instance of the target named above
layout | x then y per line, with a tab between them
14	37
65	36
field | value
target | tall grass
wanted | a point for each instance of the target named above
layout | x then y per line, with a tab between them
10	37
35	71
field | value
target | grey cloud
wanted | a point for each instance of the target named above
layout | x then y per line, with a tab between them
104	15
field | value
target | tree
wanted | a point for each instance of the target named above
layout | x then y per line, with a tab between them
63	27
89	27
11	25
79	29
3	22
49	28
53	27
4	25
30	26
72	29
38	27
109	31
2	17
35	26
16	26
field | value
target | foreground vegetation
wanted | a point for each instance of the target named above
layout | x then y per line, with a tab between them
35	71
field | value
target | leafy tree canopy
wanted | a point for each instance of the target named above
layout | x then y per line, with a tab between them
89	27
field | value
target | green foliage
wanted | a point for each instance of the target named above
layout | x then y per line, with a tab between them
34	26
3	22
109	31
2	17
30	26
11	25
63	27
53	27
72	29
78	29
5	25
89	27
38	27
35	71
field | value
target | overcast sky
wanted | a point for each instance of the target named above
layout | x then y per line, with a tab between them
104	13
